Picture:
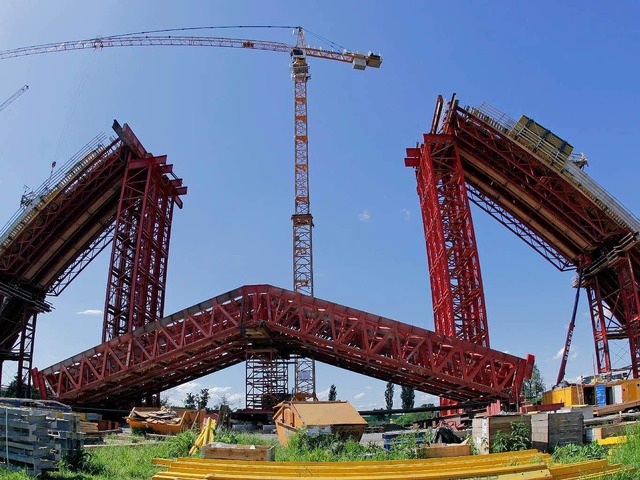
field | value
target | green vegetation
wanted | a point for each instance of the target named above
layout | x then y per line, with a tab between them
331	448
628	453
518	439
134	462
408	397
409	419
115	462
388	395
333	393
533	387
578	453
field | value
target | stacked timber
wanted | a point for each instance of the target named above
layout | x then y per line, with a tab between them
526	465
551	430
35	440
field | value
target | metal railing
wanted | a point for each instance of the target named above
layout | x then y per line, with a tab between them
34	202
568	166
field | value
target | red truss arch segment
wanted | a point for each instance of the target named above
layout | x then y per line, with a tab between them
454	267
217	333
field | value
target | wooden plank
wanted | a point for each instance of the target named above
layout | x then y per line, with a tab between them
444	450
239	452
619	407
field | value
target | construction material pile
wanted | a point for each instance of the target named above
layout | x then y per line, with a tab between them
164	420
35	440
525	465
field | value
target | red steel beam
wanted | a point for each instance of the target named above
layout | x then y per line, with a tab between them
217	333
549	213
454	266
140	252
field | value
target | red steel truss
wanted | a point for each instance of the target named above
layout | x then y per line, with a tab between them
138	269
454	268
217	333
560	212
65	224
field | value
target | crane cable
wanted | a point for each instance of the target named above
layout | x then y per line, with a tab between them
72	108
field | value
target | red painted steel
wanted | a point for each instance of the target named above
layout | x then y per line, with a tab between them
63	226
57	225
217	333
454	267
529	194
139	256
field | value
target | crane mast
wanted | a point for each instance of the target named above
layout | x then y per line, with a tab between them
302	219
13	97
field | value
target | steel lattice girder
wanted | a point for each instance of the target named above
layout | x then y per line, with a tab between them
215	334
138	267
49	243
139	256
454	267
67	224
505	172
552	214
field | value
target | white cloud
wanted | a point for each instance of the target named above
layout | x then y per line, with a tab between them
358	396
406	214
219	390
365	216
324	394
177	394
559	355
427	398
89	312
573	353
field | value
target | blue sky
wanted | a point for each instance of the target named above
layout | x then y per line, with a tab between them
224	118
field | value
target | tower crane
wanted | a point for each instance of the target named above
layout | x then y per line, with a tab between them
13	97
301	218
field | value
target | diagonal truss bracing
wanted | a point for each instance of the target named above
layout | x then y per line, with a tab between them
544	197
217	333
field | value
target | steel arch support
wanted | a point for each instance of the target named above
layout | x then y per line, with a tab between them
454	266
218	333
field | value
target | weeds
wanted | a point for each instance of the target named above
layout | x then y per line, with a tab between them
325	448
518	439
578	453
628	453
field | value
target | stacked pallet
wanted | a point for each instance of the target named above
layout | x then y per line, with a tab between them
35	440
527	465
551	430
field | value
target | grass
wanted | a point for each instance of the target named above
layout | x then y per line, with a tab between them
134	462
627	454
126	462
116	462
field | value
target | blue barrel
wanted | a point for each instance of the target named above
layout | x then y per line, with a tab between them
601	395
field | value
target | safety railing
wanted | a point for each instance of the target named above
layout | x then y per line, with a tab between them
568	166
34	202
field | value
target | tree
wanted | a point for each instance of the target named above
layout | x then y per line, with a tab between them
408	396
190	401
197	400
11	390
333	393
203	399
388	395
532	388
223	399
